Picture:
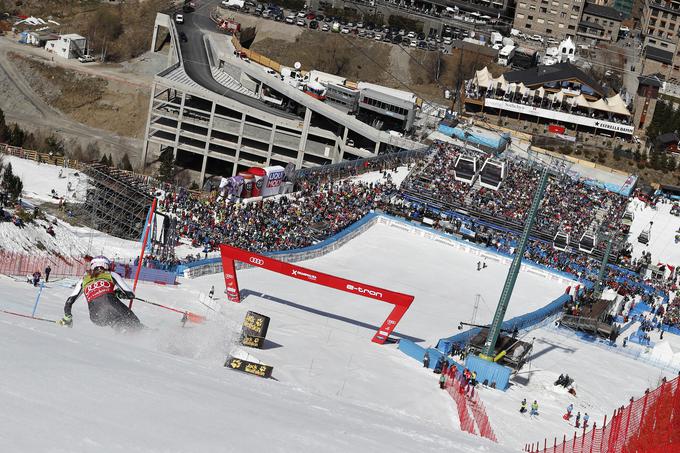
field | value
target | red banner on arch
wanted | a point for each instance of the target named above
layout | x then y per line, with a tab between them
400	301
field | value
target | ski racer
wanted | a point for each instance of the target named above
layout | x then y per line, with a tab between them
103	298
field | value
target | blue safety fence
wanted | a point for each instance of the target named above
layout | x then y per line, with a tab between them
147	274
521	322
315	247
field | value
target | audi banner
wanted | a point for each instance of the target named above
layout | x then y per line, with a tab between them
230	280
400	301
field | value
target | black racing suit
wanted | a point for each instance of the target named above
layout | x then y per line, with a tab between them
105	308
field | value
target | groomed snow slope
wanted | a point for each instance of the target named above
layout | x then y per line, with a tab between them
662	239
166	390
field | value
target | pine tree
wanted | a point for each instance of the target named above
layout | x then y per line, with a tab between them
3	128
125	163
11	184
167	169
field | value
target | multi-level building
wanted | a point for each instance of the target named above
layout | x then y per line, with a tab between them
600	23
661	28
549	18
220	112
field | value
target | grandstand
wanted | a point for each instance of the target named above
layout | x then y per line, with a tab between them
116	202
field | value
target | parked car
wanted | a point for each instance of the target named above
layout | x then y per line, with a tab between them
319	18
414	43
313	25
290	19
345	30
179	18
378	37
301	22
325	27
538	38
411	35
311	16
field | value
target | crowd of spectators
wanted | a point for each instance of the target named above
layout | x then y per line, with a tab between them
569	205
322	206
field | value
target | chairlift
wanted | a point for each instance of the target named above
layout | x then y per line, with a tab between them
492	174
465	169
587	243
561	241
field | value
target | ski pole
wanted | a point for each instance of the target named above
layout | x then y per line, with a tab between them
37	299
28	316
193	317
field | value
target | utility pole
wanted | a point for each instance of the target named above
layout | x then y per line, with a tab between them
495	329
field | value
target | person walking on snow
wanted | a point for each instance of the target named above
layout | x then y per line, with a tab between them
212	292
585	420
534	408
442	381
103	298
48	270
578	419
570	408
426	360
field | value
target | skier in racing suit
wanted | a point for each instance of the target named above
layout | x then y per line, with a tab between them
99	285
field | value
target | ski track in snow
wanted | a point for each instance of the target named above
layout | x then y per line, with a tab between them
165	390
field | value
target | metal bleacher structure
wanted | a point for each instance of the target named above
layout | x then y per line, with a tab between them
115	201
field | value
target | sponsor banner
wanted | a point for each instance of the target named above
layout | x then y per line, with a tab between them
556	129
255	325
252	342
400	300
273	179
230	281
559	116
256	369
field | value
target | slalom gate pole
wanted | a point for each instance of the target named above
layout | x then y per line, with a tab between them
140	263
193	317
28	316
37	299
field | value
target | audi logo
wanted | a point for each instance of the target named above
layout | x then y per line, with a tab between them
257	261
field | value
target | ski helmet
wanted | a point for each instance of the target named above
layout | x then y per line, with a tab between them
100	261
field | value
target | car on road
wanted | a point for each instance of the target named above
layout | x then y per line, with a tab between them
183	37
86	59
179	18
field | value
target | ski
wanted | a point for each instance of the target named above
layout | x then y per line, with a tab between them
37	318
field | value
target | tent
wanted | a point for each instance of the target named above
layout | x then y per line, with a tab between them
616	105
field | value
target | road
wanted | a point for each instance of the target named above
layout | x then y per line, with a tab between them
196	62
32	112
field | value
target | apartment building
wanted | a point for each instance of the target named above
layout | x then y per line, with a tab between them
557	19
661	27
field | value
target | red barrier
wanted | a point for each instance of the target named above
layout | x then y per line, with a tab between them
22	264
650	424
467	400
400	301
